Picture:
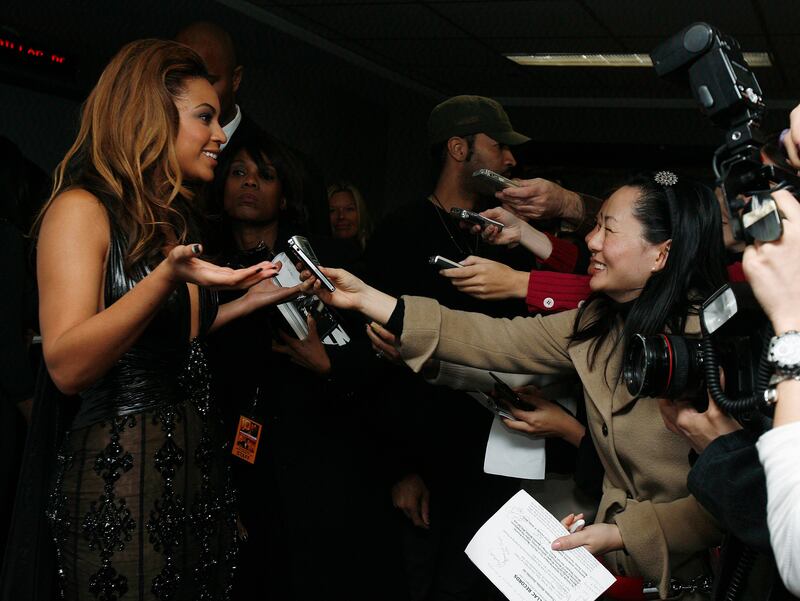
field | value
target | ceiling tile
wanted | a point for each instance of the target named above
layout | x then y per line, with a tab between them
661	19
436	51
780	16
541	19
786	49
380	20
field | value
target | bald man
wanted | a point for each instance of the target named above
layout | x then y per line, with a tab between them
215	47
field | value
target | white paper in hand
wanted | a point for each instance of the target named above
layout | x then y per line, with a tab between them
513	550
513	454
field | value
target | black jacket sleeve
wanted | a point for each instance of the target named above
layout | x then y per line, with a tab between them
729	482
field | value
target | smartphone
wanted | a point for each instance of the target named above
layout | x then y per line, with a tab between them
492	405
473	217
494	180
301	248
508	395
441	262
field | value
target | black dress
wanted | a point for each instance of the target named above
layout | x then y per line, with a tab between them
142	506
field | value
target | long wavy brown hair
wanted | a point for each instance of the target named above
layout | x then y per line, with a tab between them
125	149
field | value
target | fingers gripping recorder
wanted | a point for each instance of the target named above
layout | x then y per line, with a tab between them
763	221
301	248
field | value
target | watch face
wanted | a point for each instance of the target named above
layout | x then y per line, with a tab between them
786	350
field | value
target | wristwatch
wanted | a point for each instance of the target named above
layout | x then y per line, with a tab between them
784	353
771	391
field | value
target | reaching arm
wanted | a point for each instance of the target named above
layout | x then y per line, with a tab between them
81	339
263	294
534	345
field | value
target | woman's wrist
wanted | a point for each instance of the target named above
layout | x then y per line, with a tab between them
376	304
573	431
520	283
787	409
166	271
536	242
242	305
785	323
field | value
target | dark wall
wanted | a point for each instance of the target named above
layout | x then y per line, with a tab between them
349	122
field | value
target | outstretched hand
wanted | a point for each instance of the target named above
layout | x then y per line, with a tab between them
509	235
351	293
185	265
348	288
267	292
488	280
541	199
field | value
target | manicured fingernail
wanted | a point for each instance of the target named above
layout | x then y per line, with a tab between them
259	269
196	249
556	546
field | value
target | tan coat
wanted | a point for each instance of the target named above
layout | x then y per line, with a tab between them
665	531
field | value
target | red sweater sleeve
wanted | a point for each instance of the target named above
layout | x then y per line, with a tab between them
550	291
564	256
735	272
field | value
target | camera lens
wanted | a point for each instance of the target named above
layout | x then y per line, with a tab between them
663	366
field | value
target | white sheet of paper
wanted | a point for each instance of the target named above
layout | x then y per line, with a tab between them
513	454
513	550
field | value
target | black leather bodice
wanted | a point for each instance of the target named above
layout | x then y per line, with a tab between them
147	374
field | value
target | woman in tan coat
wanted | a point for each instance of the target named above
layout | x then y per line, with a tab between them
657	251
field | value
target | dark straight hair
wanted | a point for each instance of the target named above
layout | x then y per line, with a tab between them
687	213
259	146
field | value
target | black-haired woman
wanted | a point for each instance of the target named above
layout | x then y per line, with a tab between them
657	252
307	473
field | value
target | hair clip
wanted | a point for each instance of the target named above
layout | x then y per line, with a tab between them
666	178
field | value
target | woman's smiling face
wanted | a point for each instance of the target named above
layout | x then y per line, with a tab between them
199	133
622	260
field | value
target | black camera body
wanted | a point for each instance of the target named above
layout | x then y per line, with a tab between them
712	65
675	366
735	330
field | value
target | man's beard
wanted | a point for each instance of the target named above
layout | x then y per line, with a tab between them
483	193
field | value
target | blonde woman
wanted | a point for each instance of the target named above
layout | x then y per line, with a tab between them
348	213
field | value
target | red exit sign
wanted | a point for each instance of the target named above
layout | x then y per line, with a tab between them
16	49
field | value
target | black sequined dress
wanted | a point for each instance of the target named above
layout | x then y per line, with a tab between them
142	506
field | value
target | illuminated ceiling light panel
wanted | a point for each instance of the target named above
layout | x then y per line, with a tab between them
754	59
